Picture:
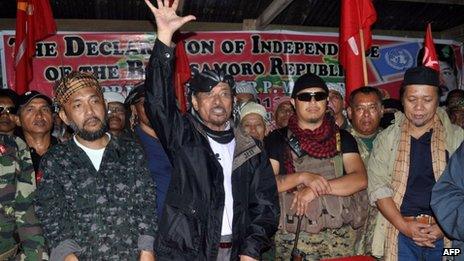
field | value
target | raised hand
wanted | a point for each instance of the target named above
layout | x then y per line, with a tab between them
167	21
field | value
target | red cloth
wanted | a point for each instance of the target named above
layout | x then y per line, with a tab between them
430	55
318	143
34	22
181	75
355	15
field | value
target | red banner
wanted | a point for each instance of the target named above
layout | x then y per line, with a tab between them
271	60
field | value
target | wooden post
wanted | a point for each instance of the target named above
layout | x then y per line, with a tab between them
363	56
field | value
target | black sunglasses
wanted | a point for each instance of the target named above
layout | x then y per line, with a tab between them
308	96
9	110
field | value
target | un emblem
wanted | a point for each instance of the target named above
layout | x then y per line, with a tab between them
399	59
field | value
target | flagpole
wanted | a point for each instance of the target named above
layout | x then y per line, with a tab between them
363	56
363	51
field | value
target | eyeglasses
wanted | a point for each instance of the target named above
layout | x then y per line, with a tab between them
308	96
8	110
116	110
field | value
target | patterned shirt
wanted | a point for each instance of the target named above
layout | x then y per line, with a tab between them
107	214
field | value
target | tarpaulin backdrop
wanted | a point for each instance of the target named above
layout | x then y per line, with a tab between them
272	60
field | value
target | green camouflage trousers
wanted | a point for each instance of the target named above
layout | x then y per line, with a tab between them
365	233
328	243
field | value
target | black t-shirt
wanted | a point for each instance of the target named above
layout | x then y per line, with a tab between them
421	179
276	146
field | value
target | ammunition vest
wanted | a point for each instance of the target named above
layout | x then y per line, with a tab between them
325	211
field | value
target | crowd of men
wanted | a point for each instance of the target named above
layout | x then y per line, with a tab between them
138	180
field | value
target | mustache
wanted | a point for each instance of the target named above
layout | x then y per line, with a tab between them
92	119
218	109
114	118
39	122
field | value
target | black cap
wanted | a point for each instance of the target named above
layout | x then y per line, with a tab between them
208	79
135	94
309	80
10	94
421	75
30	95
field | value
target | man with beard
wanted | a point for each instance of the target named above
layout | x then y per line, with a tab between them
407	159
320	160
20	232
96	200
35	120
365	111
222	200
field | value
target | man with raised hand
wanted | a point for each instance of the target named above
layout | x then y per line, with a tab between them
222	202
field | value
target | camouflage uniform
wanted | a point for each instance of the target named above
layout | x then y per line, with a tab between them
17	190
107	214
364	235
328	243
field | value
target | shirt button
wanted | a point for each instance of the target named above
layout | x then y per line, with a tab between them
168	55
193	211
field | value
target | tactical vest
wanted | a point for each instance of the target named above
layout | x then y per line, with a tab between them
326	211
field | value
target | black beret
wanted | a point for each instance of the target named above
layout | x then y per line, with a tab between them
309	80
421	75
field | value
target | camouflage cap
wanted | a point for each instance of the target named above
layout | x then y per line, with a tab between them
73	82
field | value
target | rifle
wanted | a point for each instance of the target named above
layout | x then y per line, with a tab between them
296	255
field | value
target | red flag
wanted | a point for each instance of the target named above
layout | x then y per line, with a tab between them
430	55
355	15
181	75
34	22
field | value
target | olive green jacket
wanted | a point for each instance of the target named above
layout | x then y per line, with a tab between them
382	162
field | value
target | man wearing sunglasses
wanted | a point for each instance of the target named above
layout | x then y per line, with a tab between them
17	190
320	161
8	100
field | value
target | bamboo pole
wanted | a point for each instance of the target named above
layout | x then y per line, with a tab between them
363	56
